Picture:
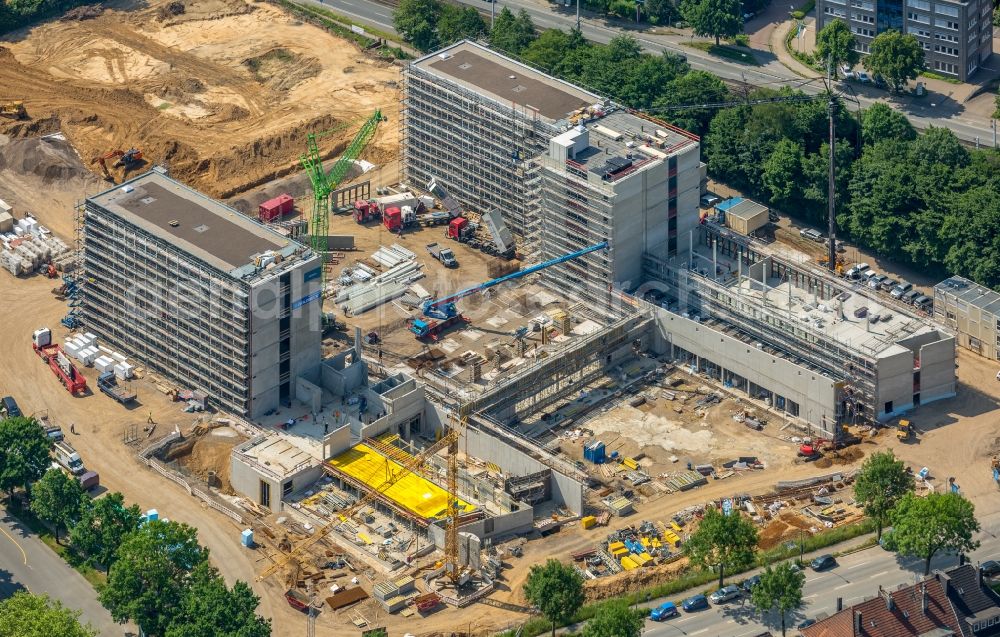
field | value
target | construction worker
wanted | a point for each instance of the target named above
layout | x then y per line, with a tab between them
149	419
72	430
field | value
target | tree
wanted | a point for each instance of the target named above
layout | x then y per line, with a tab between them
151	574
662	11
880	485
103	527
24	453
714	18
459	23
615	619
938	522
722	541
512	33
694	87
782	174
27	615
896	57
416	21
836	41
881	123
779	589
556	589
58	499
971	230
550	49
210	609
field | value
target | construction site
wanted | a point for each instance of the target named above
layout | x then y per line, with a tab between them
419	400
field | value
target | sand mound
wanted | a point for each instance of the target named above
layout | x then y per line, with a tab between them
223	92
50	158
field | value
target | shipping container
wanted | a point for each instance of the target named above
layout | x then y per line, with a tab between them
274	209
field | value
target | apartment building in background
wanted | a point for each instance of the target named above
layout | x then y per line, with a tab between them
957	36
201	293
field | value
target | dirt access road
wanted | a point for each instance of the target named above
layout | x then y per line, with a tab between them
222	91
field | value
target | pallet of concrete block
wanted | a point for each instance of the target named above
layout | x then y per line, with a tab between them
14	263
686	480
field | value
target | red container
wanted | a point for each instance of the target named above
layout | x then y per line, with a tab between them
274	208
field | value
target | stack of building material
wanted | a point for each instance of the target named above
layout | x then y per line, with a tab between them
104	363
403	269
14	263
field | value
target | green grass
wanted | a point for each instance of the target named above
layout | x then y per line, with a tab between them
691	579
938	76
725	51
341	25
96	578
164	106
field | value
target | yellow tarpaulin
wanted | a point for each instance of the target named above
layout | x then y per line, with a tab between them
414	493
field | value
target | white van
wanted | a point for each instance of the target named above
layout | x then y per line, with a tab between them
68	458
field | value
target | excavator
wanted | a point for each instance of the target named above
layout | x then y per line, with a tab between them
126	159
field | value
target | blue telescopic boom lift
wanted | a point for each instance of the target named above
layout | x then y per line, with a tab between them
445	313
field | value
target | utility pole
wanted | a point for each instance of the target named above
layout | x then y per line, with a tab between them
993	123
578	22
493	11
831	185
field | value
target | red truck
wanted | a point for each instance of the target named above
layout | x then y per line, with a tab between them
274	209
58	362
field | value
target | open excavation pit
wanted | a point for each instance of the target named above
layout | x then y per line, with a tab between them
223	92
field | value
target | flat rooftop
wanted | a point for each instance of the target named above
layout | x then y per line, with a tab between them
484	71
970	292
191	221
745	209
278	454
622	140
829	319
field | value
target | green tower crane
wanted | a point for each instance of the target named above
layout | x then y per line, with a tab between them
324	183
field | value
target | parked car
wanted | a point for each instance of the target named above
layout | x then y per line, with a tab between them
989	568
856	270
666	610
812	235
848	73
902	288
773	217
750	582
806	623
924	303
709	201
863	77
888	284
876	281
823	562
9	408
695	602
725	594
910	296
879	81
868	275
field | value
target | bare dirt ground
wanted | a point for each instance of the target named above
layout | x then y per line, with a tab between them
223	93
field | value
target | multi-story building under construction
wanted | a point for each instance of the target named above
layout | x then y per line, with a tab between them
200	293
565	167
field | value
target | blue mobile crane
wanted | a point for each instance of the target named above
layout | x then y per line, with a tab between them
445	314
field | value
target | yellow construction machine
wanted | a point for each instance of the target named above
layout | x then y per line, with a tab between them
904	430
15	110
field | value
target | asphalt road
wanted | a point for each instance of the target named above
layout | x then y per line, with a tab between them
935	110
856	578
26	563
